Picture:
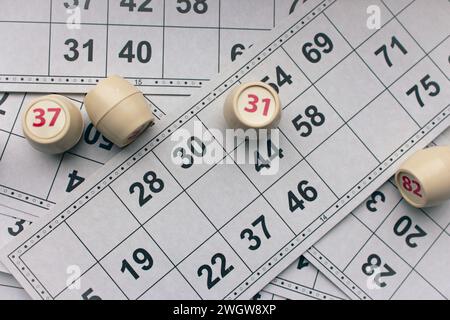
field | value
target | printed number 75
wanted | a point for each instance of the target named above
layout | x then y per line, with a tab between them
40	113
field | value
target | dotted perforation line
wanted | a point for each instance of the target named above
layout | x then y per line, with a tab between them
292	245
93	81
292	286
333	269
22	196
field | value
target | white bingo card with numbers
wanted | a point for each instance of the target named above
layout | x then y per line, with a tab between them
48	179
386	249
162	46
358	132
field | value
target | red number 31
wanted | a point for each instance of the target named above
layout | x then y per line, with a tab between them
39	116
253	100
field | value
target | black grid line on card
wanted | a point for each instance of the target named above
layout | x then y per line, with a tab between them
206	102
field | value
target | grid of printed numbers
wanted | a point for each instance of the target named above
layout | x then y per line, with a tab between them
156	44
47	178
410	246
150	250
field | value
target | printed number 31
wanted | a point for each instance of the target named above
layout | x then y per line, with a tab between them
253	100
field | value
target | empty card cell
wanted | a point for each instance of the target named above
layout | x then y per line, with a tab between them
136	264
378	270
166	103
416	288
190	152
10	105
257	233
390	52
72	259
172	287
285	8
308	121
233	43
95	284
439	214
266	160
78	52
342	161
378	206
179	228
26	10
251	14
193	53
72	172
383	126
441	57
358	20
301	272
15	59
350	86
37	169
342	244
423	92
409	232
76	12
3	140
102	223
395	6
192	13
147	188
222	193
317	48
214	269
140	12
281	73
93	145
300	197
135	51
324	285
427	22
434	265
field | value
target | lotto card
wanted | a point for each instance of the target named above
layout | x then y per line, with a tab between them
161	46
137	245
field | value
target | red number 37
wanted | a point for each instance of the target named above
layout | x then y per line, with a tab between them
39	116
